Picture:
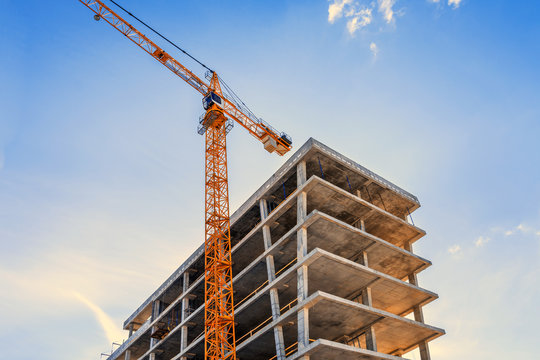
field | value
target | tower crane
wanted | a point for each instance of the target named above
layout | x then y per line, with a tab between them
222	109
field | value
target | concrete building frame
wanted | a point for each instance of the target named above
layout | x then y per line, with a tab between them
323	268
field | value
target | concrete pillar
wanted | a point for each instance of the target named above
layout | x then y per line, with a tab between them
424	350
303	314
263	209
152	356
301	201
371	341
301	243
278	330
155	312
302	286
366	297
418	313
185	307
270	268
301	207
127	355
274	297
302	273
301	174
130	328
363	259
303	328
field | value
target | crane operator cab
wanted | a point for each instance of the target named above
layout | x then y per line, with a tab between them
214	114
212	98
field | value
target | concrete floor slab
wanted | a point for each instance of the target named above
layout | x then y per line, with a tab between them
333	236
343	205
322	349
342	239
341	277
331	317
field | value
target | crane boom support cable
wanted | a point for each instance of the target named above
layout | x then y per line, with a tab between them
159	34
235	100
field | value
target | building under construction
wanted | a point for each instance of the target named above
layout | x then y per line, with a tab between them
323	268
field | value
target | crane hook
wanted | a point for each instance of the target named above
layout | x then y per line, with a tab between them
97	17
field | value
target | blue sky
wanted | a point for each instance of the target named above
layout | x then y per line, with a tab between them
101	169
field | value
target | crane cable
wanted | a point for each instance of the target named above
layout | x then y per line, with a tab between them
163	37
231	92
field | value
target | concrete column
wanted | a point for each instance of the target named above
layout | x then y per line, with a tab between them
424	350
301	207
302	273
302	286
155	312
301	243
363	259
263	209
130	328
301	201
274	297
185	307
418	313
303	328
278	330
301	174
127	355
371	341
303	314
270	268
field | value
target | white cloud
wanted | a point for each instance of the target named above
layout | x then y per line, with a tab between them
113	332
374	49
385	7
481	241
454	3
360	13
521	228
455	249
335	10
358	20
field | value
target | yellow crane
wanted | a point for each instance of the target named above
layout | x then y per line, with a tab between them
222	110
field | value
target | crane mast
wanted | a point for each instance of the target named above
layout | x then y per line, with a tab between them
221	111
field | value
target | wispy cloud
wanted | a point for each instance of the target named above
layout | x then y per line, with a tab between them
386	8
359	19
454	3
481	241
374	49
335	10
359	13
454	250
520	229
113	332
